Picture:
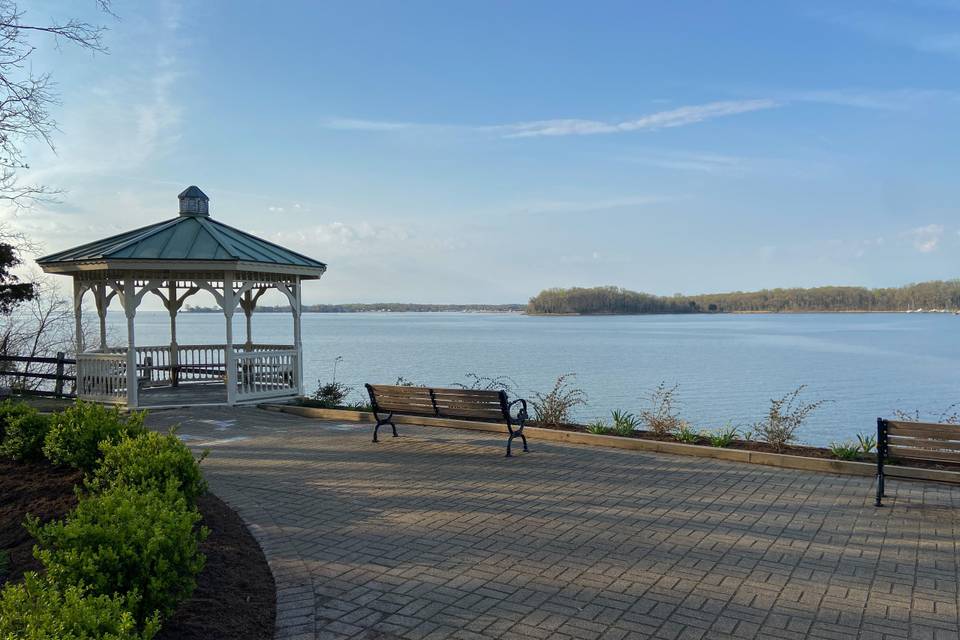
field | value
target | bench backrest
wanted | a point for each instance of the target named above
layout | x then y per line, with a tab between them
920	440
440	403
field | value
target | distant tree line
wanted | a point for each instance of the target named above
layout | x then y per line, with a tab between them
938	294
395	307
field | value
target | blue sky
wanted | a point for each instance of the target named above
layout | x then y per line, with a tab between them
481	151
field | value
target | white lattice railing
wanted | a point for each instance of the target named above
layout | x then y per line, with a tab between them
201	362
102	377
266	374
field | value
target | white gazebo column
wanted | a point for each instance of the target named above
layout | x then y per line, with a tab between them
78	313
102	302
297	341
130	307
172	309
248	303
229	304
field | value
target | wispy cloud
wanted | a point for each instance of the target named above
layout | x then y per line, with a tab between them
357	124
704	162
891	100
603	204
679	117
915	29
926	239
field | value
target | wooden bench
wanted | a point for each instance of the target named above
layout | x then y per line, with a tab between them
914	441
459	404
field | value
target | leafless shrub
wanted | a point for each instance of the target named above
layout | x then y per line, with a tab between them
554	408
477	382
950	415
661	417
41	327
786	416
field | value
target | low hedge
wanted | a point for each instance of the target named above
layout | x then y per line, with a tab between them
150	461
126	541
24	435
128	554
38	609
76	434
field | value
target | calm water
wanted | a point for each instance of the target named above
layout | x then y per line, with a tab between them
728	367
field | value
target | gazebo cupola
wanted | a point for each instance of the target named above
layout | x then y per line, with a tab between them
174	260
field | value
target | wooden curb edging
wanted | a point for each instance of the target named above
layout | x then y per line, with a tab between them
785	461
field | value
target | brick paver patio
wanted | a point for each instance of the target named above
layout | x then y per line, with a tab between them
436	535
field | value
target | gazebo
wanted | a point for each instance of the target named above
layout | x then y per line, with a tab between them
174	260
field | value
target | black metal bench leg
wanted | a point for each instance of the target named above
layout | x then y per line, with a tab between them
375	430
878	503
524	438
509	443
394	429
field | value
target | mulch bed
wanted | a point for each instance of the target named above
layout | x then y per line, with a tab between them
235	596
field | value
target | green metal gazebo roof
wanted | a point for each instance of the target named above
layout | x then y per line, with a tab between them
182	243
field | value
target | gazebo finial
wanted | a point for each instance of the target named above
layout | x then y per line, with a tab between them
194	202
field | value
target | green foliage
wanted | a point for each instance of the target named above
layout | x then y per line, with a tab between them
624	423
784	419
150	461
598	427
25	434
661	417
331	394
10	410
724	436
554	408
867	442
38	609
686	434
126	541
77	433
846	450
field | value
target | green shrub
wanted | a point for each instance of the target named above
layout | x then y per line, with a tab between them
25	435
10	410
846	450
126	541
150	461
867	442
685	434
598	427
37	609
724	436
624	423
76	433
331	394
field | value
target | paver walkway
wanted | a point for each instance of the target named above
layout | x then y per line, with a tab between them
435	534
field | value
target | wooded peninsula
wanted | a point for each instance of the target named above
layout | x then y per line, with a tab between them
928	296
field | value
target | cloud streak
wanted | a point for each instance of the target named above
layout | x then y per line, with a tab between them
679	117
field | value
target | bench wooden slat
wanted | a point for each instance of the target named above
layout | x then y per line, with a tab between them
924	443
469	413
401	405
468	394
924	454
923	430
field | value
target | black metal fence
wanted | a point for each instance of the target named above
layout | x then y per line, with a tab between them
20	373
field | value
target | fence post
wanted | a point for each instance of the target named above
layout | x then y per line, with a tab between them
58	389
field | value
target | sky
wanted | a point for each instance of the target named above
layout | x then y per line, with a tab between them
478	152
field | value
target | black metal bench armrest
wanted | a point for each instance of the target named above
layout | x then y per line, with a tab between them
522	415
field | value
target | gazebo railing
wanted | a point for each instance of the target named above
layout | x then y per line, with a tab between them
266	373
102	377
262	371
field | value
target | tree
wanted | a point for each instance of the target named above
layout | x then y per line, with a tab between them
25	101
26	98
